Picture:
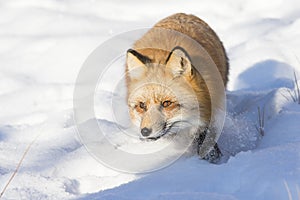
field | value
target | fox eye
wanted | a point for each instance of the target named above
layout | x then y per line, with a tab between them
166	104
142	105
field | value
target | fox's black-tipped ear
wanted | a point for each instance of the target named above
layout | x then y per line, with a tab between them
136	64
179	62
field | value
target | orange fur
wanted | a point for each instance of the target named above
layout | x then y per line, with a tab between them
156	45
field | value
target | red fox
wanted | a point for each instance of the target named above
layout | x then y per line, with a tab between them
162	80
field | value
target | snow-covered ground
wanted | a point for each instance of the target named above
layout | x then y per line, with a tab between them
42	47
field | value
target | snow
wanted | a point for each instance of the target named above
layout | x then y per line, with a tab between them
45	43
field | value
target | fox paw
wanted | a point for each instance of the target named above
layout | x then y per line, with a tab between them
214	155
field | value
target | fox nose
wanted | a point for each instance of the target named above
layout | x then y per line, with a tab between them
146	132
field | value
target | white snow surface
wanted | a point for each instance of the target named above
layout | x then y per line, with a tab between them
42	47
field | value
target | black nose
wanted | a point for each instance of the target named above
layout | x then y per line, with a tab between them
146	132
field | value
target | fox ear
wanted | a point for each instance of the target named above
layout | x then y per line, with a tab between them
136	64
179	62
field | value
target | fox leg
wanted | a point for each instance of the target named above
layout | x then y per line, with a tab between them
206	151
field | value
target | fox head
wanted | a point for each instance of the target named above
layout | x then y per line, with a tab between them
162	95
